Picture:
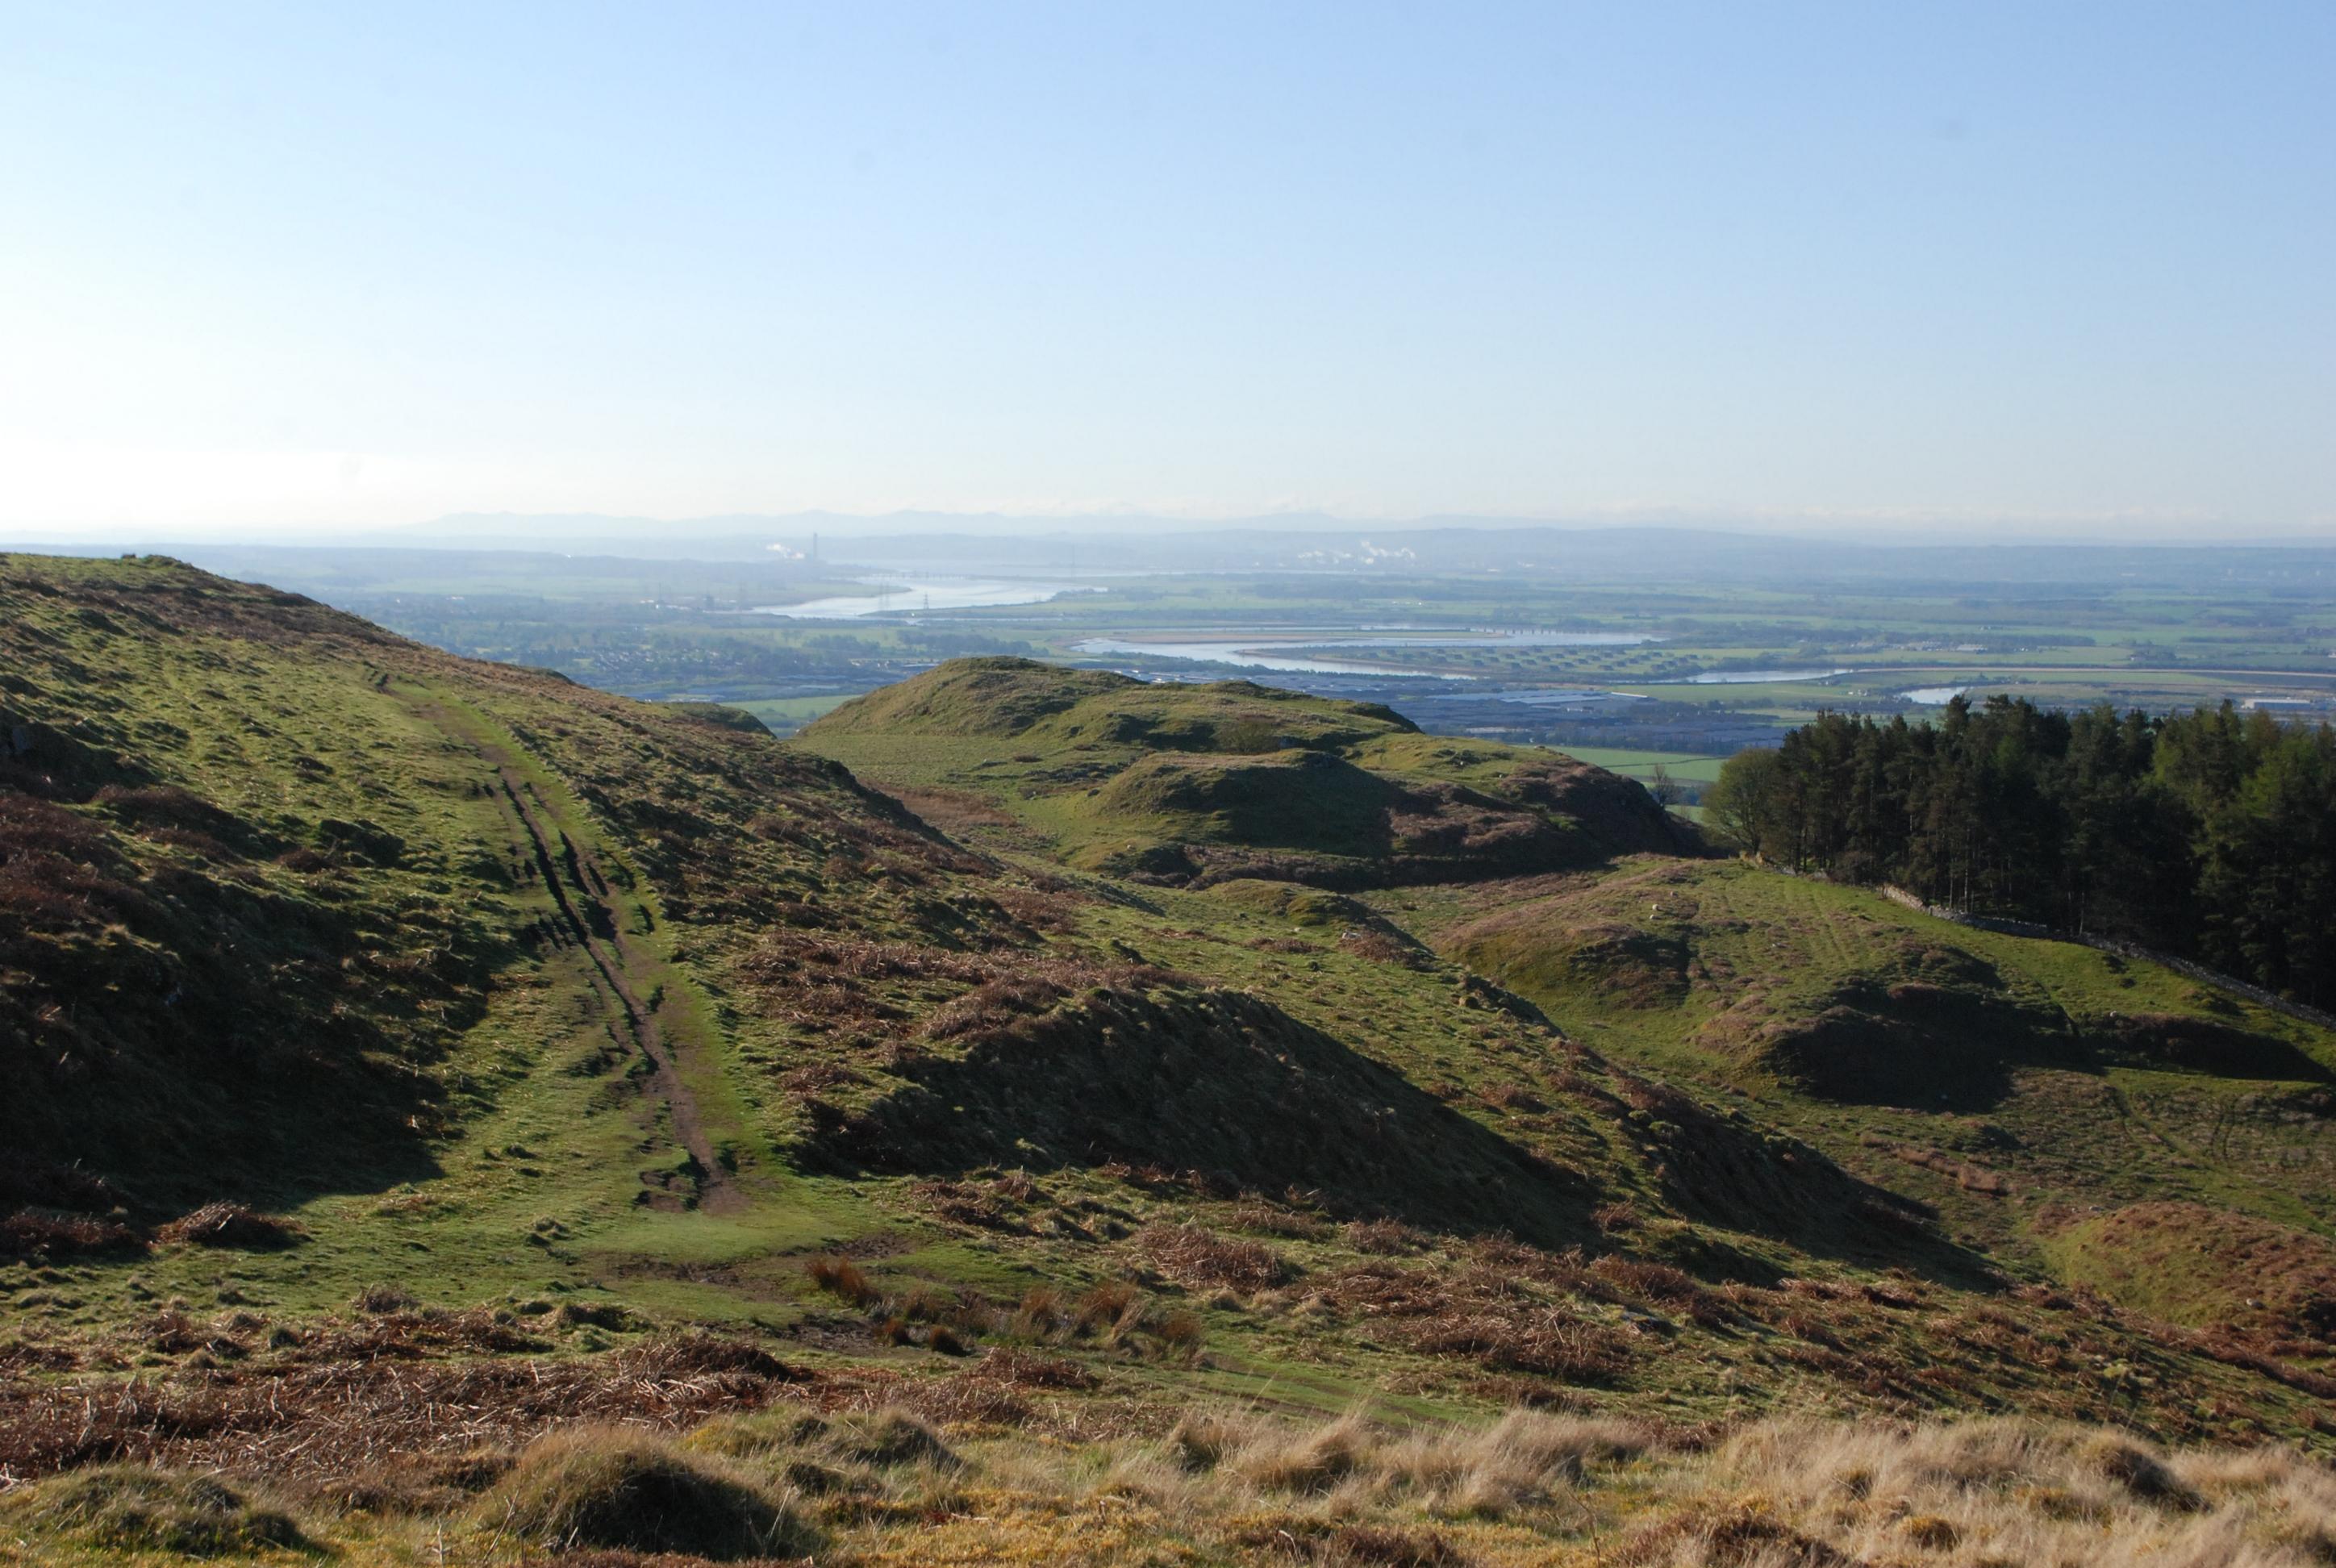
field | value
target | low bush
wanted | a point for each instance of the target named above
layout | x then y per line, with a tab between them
1274	1220
1023	1369
1384	1238
606	1315
1103	1306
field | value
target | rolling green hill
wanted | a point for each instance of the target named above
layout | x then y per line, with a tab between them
408	1058
1203	784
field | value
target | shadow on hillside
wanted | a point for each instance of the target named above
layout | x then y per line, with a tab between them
1219	1084
1722	1169
1930	1048
192	1033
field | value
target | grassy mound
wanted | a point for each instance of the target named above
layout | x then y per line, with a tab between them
1605	963
2204	1045
587	1486
129	1507
1203	784
1300	906
1613	816
1871	1038
1896	1018
1064	707
974	697
1845	996
2207	1268
1302	800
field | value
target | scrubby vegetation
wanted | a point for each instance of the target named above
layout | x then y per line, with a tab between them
1231	1485
459	1117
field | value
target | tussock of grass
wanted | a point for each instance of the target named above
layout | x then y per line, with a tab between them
841	1276
1994	1491
758	1432
886	1487
883	1440
603	1486
131	1508
890	1438
1202	1440
433	1483
1306	1461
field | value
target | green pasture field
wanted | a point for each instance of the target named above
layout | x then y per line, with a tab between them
1685	766
784	715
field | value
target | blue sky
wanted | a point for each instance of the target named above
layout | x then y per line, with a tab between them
2050	266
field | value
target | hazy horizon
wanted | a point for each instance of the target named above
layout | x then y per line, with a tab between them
688	538
1822	271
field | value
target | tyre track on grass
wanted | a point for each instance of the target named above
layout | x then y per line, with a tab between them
589	918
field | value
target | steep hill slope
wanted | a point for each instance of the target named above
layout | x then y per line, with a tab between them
1204	784
264	868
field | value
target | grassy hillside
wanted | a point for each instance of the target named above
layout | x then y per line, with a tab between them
295	908
417	1065
1164	782
2012	1082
